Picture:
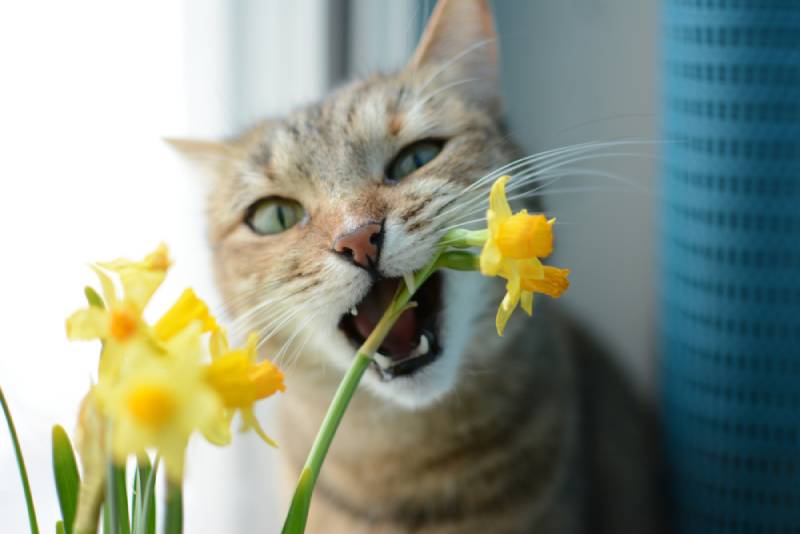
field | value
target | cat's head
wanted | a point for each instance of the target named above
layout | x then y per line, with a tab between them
315	217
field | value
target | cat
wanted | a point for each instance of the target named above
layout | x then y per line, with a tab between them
313	220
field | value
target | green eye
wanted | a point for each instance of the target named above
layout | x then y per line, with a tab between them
411	158
274	215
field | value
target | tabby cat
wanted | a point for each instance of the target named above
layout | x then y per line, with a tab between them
315	217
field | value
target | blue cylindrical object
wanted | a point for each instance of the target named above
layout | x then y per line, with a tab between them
730	288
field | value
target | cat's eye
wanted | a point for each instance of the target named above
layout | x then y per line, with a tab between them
411	158
274	215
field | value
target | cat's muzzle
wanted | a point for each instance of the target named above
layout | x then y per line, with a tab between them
413	341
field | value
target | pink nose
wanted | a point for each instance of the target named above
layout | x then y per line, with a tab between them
362	246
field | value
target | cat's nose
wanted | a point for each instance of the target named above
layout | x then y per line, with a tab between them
362	246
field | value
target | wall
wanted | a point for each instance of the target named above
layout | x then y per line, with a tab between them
577	71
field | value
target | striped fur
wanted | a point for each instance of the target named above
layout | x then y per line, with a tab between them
533	432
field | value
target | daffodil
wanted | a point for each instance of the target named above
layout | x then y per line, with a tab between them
514	241
187	309
119	324
140	279
240	380
553	283
514	244
158	402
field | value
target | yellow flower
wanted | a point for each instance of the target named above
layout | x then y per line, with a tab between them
553	283
140	279
158	402
241	380
187	309
120	325
513	248
515	240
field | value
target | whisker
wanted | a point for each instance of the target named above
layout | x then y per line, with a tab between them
588	146
513	166
538	175
284	348
268	334
548	179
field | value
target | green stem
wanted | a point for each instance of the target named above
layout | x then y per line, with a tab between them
173	521
146	513
23	473
111	512
298	511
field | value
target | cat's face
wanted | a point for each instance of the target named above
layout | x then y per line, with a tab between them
315	218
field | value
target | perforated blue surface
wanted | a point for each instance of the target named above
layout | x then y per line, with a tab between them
731	263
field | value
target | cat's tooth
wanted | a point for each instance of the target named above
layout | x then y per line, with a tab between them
423	347
409	278
353	311
383	361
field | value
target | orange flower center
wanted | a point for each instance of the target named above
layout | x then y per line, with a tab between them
240	382
267	379
123	323
151	405
524	236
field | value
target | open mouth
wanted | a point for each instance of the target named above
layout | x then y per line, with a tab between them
413	341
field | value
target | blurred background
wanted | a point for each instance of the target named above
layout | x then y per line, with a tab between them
91	87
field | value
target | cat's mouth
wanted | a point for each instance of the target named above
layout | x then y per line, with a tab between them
413	341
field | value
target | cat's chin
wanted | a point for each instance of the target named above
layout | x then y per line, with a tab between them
416	391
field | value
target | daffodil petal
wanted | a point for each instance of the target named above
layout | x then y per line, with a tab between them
526	302
220	433
490	259
109	291
513	281
218	343
88	323
504	312
140	285
553	283
187	309
141	279
174	452
531	269
497	199
252	346
249	421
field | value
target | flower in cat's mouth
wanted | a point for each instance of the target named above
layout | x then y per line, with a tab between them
413	341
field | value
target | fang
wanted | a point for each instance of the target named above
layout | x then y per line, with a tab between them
424	345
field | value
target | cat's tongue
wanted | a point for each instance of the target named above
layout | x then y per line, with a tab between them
402	338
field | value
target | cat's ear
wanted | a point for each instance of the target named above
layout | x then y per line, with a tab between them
199	151
206	158
460	44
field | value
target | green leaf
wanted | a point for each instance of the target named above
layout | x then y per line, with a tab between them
60	527
122	500
106	517
23	473
143	517
93	297
68	482
173	521
117	498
